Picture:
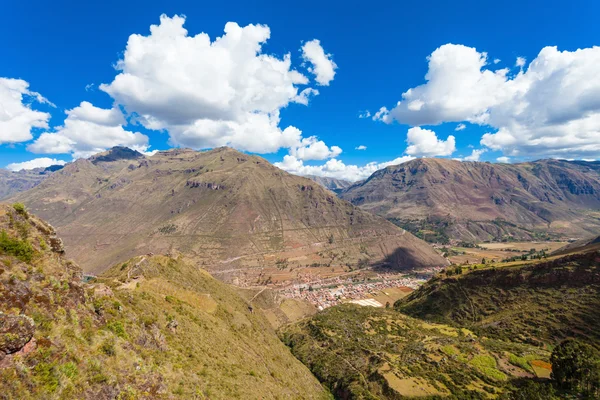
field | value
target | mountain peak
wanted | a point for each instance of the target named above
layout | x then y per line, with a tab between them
116	153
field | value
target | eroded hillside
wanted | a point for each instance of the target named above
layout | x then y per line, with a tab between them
441	199
233	213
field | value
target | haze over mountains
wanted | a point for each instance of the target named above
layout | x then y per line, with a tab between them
476	201
229	211
19	181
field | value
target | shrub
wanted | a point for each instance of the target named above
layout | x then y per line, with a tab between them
117	328
108	347
20	249
20	209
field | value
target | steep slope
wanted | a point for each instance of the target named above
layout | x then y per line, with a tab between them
463	335
370	353
223	209
440	199
541	302
16	182
580	246
152	328
333	184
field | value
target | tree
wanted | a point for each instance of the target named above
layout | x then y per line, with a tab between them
531	390
576	367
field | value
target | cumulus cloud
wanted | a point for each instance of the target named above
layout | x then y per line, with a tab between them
475	155
208	93
520	62
313	149
335	168
550	108
88	130
322	66
460	127
364	114
361	147
42	162
424	142
17	118
503	159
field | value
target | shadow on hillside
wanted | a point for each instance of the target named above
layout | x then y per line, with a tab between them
402	259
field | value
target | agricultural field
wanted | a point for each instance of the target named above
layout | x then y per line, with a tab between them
496	252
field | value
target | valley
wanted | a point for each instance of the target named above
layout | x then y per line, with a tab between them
366	308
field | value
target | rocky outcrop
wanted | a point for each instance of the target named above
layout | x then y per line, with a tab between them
15	332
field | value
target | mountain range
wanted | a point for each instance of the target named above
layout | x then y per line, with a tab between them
12	183
440	199
235	214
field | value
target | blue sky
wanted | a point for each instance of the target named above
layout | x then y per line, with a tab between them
380	53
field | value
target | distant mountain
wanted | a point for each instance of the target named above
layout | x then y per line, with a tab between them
230	212
440	199
16	182
150	328
333	184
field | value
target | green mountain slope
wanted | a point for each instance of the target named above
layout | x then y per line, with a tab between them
542	302
471	335
370	353
151	328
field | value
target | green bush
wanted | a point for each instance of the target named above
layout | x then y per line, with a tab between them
20	209
20	249
117	328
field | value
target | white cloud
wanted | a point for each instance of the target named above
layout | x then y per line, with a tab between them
383	114
17	118
42	162
89	87
424	142
460	127
549	109
520	62
496	60
313	149
323	66
504	160
361	147
208	93
475	155
88	130
364	114
335	168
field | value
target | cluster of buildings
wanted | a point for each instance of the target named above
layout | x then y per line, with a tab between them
330	292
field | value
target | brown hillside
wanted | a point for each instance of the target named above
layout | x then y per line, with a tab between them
477	201
16	182
222	209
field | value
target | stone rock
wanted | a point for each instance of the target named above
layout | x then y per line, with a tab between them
15	332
